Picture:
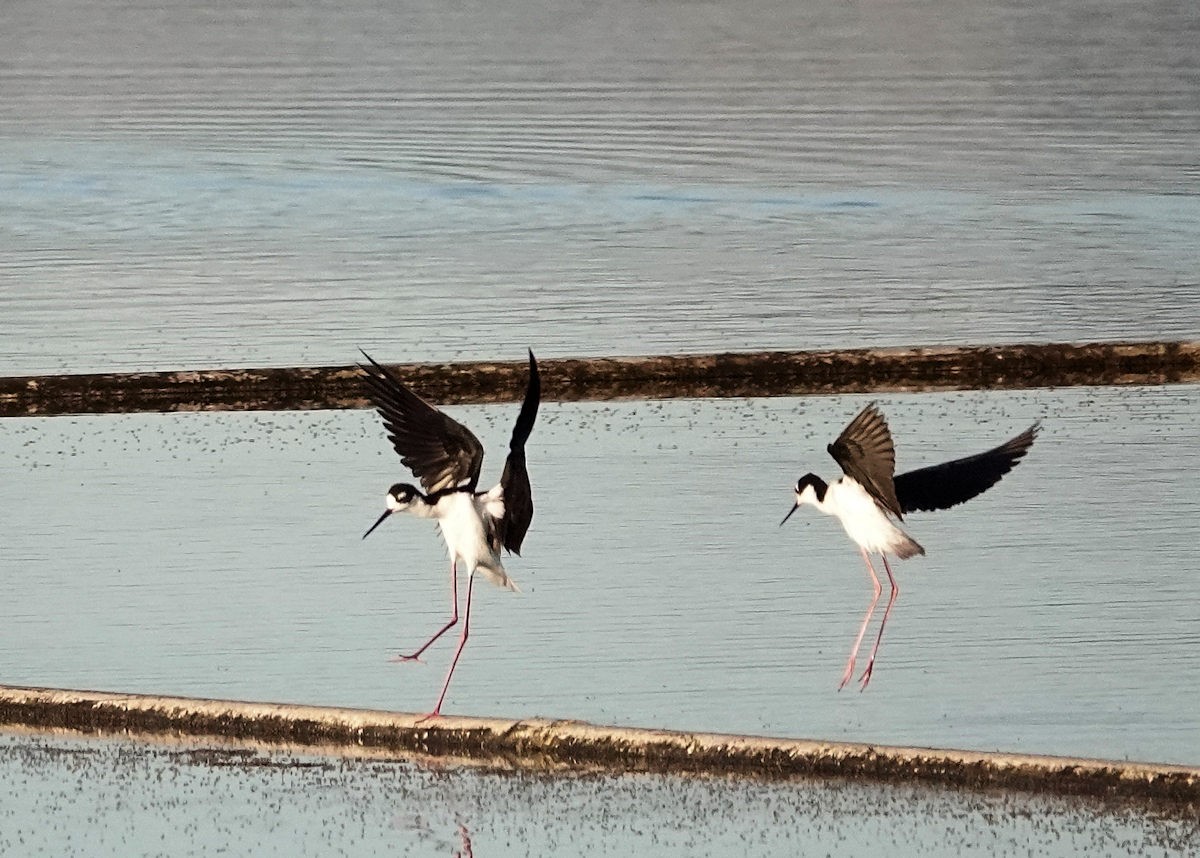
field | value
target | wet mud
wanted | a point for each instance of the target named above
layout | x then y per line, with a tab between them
549	746
568	379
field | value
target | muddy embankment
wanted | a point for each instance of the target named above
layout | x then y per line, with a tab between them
579	379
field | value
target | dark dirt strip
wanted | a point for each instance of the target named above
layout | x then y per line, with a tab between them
578	379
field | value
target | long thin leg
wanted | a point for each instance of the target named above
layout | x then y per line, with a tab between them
416	656
465	837
866	677
848	674
462	641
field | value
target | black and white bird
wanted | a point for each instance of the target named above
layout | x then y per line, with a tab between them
868	500
446	459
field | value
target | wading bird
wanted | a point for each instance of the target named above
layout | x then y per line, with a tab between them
446	458
868	497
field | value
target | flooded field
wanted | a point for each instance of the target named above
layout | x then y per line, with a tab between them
191	185
219	555
66	796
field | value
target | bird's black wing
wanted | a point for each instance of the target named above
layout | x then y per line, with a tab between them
865	452
440	451
951	483
518	494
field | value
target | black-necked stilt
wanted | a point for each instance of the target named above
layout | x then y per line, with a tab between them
867	498
446	458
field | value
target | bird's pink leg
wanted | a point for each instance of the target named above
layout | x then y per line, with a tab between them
462	641
866	677
465	837
848	674
416	656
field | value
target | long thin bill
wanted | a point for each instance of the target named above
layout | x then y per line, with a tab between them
386	513
789	515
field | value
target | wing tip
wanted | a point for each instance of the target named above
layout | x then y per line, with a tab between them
535	377
376	370
527	416
1023	443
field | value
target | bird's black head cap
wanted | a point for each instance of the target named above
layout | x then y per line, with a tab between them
403	492
819	485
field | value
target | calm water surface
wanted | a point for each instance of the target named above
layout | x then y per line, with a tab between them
188	185
277	183
219	555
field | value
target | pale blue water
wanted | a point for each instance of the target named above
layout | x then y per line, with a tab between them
190	185
219	555
187	185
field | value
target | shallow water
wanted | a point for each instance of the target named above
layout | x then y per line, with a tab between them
89	797
193	185
278	184
219	555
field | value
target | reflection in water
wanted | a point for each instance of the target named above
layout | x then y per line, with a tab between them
465	838
63	796
416	823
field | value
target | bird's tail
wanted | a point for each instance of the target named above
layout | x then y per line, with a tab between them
906	547
496	575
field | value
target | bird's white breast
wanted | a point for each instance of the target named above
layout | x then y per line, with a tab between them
462	528
460	516
861	516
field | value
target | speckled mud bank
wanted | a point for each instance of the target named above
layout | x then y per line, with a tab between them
577	746
712	375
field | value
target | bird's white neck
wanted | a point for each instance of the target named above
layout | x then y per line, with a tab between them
815	492
417	505
422	508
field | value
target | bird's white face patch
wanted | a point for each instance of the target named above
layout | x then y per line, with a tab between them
809	495
395	505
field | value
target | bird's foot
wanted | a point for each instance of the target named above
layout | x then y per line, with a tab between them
434	714
866	676
847	674
404	659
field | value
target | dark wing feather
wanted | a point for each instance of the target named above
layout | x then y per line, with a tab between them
865	452
518	494
946	485
440	451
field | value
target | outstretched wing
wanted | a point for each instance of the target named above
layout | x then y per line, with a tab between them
865	452
951	483
440	451
518	494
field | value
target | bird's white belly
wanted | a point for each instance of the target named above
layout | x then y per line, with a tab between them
862	518
463	530
461	522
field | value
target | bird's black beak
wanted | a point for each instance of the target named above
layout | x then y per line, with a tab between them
789	515
378	522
